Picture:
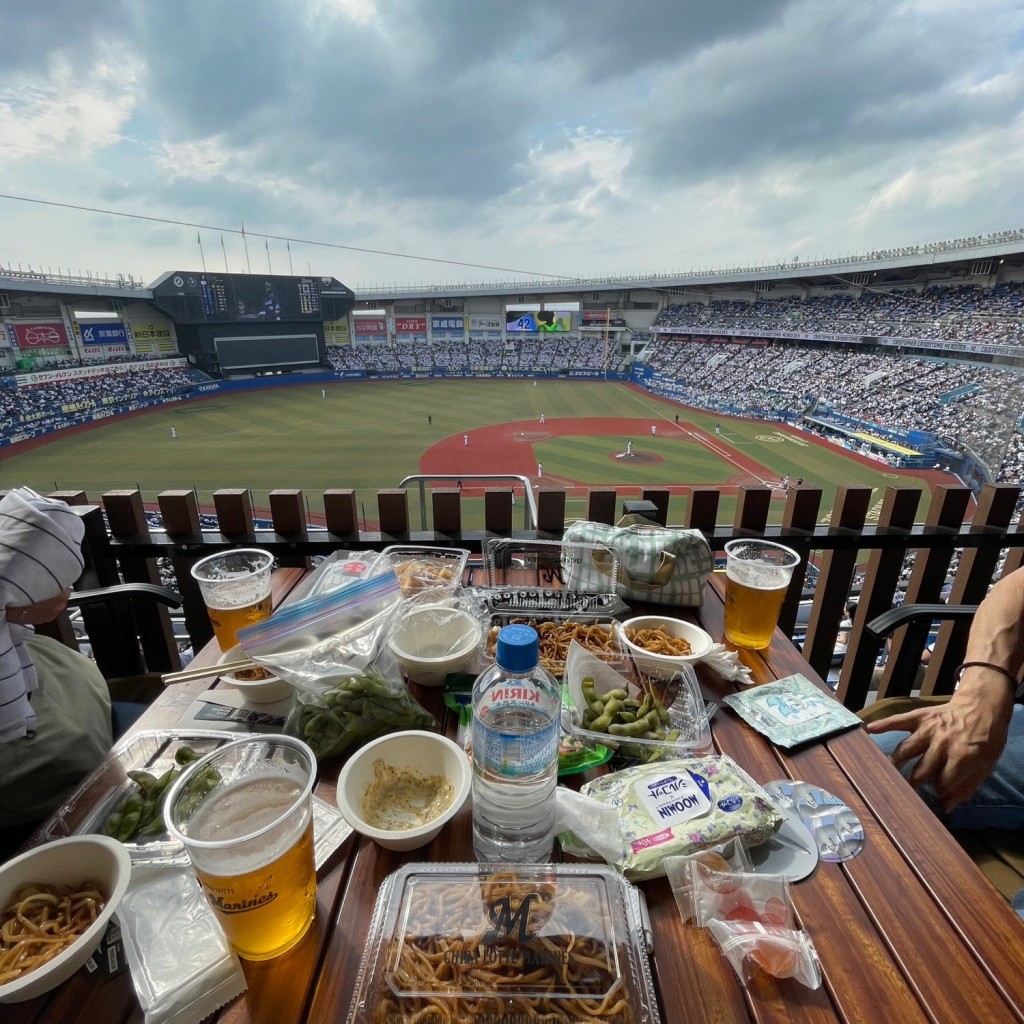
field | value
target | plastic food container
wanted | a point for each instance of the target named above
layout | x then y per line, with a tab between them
548	564
108	785
680	696
337	570
598	635
556	941
421	568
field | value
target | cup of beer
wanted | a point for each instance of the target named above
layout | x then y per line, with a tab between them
245	815
757	575
236	589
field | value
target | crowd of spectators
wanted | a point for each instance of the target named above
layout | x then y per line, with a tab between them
964	314
52	405
966	405
544	354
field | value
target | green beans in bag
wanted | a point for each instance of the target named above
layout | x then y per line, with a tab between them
353	711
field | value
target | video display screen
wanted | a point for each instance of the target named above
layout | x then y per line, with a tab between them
266	351
534	321
194	297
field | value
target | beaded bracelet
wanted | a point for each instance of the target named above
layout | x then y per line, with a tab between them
1018	688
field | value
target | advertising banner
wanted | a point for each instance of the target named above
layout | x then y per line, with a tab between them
598	318
410	325
50	335
149	331
370	325
336	332
83	372
112	333
448	323
493	322
106	350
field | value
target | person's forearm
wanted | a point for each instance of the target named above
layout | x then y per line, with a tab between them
997	633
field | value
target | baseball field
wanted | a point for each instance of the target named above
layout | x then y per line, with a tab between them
573	435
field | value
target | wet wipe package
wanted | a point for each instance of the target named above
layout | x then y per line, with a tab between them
791	711
834	827
678	807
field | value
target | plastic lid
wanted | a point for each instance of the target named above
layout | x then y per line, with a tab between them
518	648
468	941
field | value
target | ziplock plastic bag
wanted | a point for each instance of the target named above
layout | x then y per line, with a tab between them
349	688
315	642
719	860
781	952
354	710
719	895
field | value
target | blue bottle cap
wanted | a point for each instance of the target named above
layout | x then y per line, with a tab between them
518	648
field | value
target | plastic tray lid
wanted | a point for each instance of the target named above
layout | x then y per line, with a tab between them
486	939
550	563
420	567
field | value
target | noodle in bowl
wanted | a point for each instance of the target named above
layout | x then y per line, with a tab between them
100	861
661	646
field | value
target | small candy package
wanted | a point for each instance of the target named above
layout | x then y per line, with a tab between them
751	918
791	711
729	857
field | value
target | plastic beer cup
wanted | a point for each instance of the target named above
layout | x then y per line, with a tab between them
236	590
757	575
244	814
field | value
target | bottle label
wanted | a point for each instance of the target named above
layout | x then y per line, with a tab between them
515	753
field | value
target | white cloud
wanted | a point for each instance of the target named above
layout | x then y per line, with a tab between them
67	115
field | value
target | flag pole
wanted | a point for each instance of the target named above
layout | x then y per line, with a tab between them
201	254
225	252
266	242
290	271
245	242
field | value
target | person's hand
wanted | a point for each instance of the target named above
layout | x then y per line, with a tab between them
958	743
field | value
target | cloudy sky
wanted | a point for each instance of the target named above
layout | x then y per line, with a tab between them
502	139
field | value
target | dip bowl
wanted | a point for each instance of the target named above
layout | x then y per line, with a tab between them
413	755
432	640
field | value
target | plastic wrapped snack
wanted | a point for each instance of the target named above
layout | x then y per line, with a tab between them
682	806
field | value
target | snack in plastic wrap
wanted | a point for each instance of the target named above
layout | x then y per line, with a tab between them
681	806
352	711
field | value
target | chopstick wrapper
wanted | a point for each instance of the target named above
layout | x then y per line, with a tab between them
182	966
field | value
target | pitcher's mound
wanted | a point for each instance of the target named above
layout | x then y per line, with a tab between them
635	458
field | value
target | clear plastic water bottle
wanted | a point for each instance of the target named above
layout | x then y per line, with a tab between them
516	709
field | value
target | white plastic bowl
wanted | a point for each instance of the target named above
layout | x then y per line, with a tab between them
68	861
664	666
424	752
255	691
432	640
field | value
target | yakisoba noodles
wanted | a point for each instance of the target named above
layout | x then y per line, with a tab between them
555	638
41	921
657	641
456	970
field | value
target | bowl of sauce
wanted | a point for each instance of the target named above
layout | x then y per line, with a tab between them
401	790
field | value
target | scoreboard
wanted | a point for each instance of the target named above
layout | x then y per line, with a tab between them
243	324
192	297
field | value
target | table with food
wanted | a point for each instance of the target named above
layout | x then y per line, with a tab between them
555	783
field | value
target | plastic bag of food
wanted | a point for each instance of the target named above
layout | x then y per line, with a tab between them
719	861
316	642
353	710
718	895
782	952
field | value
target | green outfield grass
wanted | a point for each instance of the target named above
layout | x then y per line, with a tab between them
370	435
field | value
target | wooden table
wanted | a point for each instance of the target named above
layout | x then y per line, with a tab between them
908	930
